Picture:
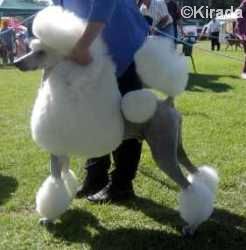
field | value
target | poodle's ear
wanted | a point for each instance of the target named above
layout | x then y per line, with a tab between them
58	29
36	45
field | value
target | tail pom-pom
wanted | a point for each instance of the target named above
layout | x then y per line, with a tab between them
139	106
206	175
161	67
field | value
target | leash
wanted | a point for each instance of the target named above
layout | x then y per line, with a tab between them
226	38
198	47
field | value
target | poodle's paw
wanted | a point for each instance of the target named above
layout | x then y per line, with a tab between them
196	204
71	182
52	199
206	175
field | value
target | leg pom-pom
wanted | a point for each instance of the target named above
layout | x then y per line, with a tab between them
206	175
52	199
196	204
71	182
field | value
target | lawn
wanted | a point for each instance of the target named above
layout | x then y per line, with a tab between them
214	111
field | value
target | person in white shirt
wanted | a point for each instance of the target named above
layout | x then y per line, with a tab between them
214	33
161	19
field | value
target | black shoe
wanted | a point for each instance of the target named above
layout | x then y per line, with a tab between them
92	186
113	193
96	176
84	190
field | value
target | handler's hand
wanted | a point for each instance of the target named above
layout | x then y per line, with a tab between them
80	56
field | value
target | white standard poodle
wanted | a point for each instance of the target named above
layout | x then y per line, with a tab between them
79	110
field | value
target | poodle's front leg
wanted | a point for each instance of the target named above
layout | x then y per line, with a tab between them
53	197
56	163
69	177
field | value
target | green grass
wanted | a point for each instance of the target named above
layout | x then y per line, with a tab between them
214	111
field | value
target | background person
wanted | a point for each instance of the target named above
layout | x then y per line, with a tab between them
175	13
8	40
157	10
21	44
240	31
144	9
116	21
214	33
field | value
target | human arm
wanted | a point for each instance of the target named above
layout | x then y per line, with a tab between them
164	21
165	17
143	10
100	14
80	52
181	26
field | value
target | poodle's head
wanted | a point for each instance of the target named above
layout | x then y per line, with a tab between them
57	32
40	57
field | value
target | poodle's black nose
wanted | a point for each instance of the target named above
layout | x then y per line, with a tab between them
30	61
20	64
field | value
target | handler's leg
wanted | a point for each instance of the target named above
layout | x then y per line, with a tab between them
126	159
96	176
127	156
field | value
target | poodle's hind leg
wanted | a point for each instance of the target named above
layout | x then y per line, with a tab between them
53	198
196	200
162	137
205	174
183	158
182	155
204	181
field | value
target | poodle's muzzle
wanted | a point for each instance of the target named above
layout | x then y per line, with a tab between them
30	61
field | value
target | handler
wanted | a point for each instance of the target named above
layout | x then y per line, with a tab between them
124	30
214	33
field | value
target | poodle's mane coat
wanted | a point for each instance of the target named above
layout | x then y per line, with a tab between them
76	114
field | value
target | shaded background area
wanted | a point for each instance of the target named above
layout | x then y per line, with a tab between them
203	82
8	186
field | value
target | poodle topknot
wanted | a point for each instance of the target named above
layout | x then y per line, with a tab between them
60	30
